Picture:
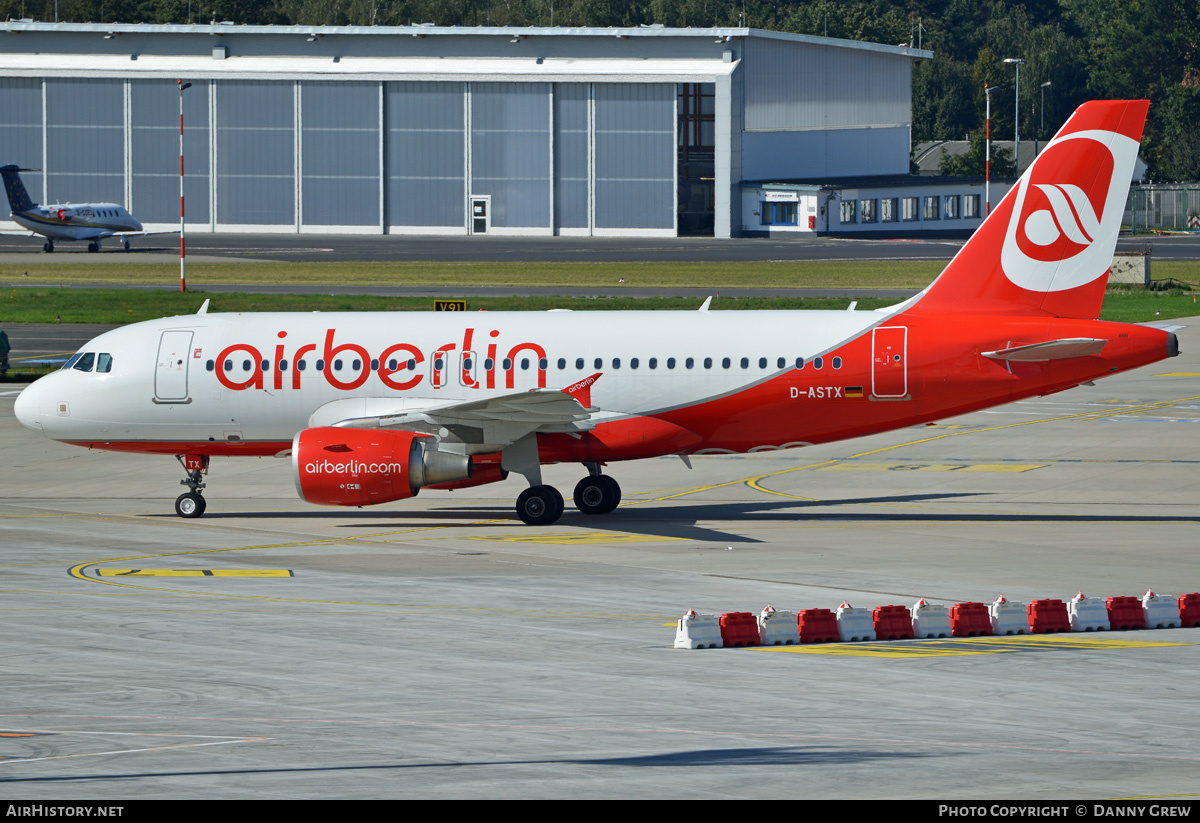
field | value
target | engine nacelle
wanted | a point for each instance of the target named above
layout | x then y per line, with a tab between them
361	467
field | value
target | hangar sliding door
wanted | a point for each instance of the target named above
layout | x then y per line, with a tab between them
85	141
424	157
510	152
256	151
21	129
635	156
339	140
154	158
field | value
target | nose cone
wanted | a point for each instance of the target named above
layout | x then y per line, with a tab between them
28	408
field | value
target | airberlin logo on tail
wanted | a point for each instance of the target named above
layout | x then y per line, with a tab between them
1067	212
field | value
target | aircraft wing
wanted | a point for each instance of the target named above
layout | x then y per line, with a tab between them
492	423
140	233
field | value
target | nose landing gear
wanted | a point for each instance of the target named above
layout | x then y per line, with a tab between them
192	503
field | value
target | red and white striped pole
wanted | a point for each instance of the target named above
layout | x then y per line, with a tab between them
182	259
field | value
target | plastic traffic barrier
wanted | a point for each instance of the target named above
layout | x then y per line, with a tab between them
776	628
1125	612
1046	616
854	624
970	620
930	620
698	631
1008	617
817	626
892	623
1189	610
1161	610
1087	615
739	629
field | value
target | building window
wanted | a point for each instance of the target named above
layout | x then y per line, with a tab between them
931	210
909	205
848	210
951	207
887	210
779	214
971	205
866	211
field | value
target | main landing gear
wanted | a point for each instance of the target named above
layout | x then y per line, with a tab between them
595	494
48	246
191	503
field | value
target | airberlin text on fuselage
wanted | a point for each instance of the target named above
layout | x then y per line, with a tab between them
395	354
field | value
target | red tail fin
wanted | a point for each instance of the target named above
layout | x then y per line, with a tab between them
1048	246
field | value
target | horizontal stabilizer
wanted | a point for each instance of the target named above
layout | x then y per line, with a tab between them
1051	350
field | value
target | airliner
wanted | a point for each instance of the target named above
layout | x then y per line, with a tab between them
373	407
69	221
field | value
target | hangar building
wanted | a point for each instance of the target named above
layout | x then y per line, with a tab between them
447	130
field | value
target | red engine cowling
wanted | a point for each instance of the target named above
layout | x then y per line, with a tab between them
361	467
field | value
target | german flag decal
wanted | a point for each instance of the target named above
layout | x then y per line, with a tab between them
854	391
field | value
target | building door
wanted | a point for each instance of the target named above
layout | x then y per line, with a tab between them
481	219
170	375
889	361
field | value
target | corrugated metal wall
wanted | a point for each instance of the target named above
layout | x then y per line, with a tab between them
790	87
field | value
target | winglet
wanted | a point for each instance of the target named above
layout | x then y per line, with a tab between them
204	308
582	391
707	303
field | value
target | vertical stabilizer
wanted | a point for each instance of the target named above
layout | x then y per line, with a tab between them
1048	246
18	198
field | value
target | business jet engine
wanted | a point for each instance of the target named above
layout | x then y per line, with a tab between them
361	467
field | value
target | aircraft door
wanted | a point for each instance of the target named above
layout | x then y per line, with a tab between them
170	374
889	362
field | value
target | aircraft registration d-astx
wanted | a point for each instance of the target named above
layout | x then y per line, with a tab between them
373	407
69	221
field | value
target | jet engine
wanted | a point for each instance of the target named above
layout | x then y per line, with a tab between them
361	467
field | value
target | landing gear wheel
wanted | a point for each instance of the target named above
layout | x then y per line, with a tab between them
190	504
93	246
597	494
539	505
48	246
126	245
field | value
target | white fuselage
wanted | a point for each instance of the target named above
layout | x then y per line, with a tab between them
201	378
87	221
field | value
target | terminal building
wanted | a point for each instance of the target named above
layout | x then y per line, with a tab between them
448	130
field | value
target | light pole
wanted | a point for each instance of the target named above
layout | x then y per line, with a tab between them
1017	61
987	163
1042	127
182	261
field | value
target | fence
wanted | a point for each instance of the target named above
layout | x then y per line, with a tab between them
1175	207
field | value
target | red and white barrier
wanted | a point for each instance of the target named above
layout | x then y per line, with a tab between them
1161	610
698	631
854	624
1008	617
930	620
776	628
1087	614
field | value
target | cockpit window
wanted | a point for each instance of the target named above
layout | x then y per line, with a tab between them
71	362
104	363
86	362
